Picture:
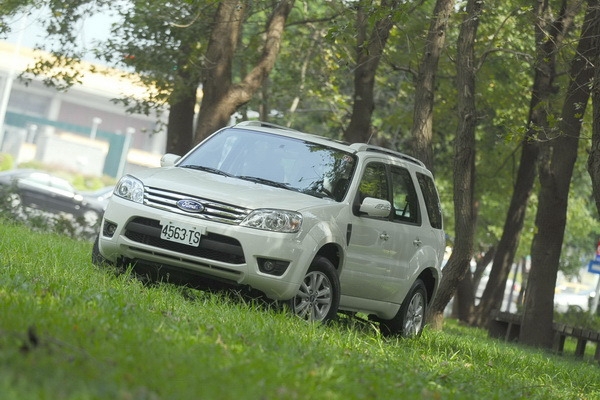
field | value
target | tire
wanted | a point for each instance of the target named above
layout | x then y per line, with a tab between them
318	298
97	258
410	319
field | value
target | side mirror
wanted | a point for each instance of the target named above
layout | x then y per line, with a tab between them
375	207
169	160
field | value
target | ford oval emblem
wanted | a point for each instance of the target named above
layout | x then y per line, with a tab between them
190	205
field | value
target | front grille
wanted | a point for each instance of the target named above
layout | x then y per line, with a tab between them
212	246
213	210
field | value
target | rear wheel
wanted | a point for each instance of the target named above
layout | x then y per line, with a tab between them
410	319
318	298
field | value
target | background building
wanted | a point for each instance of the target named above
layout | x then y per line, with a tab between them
81	129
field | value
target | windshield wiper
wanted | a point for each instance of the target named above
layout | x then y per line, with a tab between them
317	189
264	181
206	169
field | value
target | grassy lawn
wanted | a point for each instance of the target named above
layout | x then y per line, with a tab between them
69	330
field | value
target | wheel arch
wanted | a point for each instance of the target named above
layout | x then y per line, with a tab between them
429	277
332	252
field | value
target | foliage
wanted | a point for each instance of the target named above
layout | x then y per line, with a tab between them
163	42
72	331
579	319
6	161
77	179
8	9
11	210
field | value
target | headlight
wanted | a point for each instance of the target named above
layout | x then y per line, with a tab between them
130	188
274	220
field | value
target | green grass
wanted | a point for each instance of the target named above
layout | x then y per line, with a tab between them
70	330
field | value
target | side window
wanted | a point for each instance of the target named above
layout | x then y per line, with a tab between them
61	185
374	182
404	197
432	201
38	179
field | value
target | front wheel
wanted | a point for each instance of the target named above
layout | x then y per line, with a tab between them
410	319
318	298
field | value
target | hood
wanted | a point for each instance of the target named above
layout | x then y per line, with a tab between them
228	190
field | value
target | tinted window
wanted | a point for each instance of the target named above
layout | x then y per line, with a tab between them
432	201
404	196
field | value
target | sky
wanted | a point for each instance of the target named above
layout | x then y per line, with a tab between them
28	31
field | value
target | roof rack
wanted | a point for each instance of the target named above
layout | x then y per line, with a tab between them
262	124
383	150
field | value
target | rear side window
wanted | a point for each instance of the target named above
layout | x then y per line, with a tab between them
432	201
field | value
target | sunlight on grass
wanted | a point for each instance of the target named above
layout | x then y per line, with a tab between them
69	330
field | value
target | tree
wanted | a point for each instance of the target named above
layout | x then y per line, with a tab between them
560	153
163	41
593	163
221	97
464	163
369	50
549	35
422	127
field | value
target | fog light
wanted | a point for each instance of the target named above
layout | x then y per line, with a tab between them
109	228
268	266
272	267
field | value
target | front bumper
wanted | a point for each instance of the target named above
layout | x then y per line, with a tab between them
130	233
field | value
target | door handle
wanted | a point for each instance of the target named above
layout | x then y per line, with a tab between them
417	242
384	236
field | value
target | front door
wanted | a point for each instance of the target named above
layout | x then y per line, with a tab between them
380	250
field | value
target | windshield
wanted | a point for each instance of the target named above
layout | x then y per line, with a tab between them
275	160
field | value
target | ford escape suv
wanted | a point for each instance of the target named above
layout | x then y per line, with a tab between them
321	225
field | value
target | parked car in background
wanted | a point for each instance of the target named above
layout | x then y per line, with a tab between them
101	195
39	190
315	223
573	296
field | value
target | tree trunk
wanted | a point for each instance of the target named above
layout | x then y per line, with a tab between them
369	51
465	298
545	72
555	178
220	96
422	128
594	157
180	126
464	164
217	68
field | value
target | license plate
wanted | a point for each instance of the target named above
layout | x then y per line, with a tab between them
180	232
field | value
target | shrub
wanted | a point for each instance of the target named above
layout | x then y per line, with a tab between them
6	161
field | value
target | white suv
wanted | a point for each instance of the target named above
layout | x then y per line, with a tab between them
321	225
